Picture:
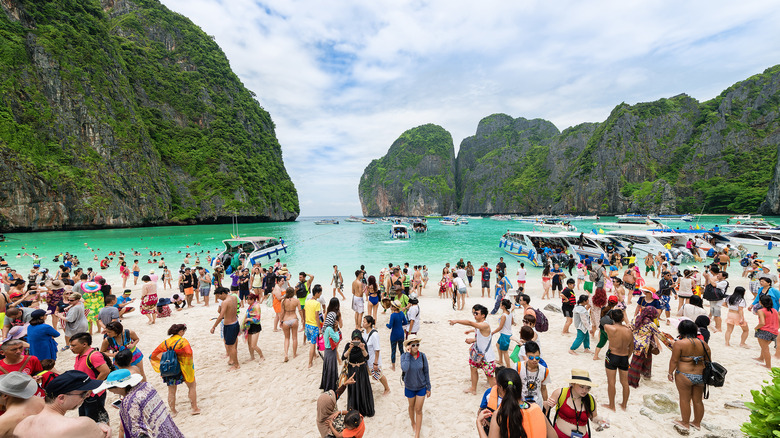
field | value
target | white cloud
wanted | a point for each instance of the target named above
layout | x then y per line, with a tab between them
343	79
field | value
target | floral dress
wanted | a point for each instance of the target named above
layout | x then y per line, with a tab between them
93	303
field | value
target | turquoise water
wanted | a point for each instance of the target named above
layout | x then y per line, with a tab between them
312	248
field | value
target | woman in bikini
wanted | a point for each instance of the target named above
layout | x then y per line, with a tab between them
372	291
685	370
290	306
546	282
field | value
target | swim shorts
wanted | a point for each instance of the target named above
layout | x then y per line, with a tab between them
503	342
231	333
765	335
665	302
488	367
204	291
136	273
312	333
486	283
412	394
358	305
568	310
189	291
649	268
615	362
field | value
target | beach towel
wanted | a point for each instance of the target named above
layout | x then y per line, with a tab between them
183	352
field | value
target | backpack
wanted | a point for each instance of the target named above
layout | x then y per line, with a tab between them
542	325
109	362
712	293
300	290
744	262
169	362
594	275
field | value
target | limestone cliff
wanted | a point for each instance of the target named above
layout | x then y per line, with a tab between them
674	155
415	177
119	113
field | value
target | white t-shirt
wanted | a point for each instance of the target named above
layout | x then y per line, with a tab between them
460	283
461	274
533	379
372	345
740	303
413	315
521	273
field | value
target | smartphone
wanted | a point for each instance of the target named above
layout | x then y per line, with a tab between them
117	403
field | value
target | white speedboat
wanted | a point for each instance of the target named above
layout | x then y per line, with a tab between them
539	248
501	217
632	223
353	219
420	225
449	222
250	250
553	225
654	242
399	231
326	222
765	242
472	217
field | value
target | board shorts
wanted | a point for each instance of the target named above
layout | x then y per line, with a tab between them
189	291
567	310
136	273
204	291
649	268
358	305
243	294
615	362
486	283
715	308
665	299
312	333
488	367
230	332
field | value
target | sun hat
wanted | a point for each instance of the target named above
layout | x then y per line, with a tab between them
396	304
90	286
56	284
581	377
151	271
413	299
412	339
122	378
71	381
18	385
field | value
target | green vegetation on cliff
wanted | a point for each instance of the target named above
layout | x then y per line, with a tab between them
134	100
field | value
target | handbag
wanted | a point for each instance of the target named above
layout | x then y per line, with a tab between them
477	356
343	376
714	374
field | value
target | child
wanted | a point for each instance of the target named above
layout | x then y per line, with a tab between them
582	324
354	426
123	302
177	301
48	373
123	360
534	376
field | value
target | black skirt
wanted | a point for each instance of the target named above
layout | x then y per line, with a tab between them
360	396
330	370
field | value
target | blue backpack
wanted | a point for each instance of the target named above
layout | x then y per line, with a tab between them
169	362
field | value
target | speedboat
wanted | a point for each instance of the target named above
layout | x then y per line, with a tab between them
765	242
419	225
249	251
754	224
399	231
472	217
449	222
433	216
535	247
553	225
326	222
368	222
501	217
594	246
632	223
671	245
353	219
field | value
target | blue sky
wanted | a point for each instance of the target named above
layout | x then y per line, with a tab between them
343	79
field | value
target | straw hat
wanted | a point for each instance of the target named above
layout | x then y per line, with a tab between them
412	339
396	304
55	284
90	286
581	377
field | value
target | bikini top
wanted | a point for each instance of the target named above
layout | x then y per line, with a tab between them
571	416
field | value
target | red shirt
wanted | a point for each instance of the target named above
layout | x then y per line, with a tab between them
95	359
32	366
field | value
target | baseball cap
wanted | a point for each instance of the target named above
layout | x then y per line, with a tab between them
71	381
613	299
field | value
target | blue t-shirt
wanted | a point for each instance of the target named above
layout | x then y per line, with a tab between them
485	396
556	278
41	340
654	303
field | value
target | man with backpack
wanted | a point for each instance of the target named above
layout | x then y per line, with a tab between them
715	290
94	364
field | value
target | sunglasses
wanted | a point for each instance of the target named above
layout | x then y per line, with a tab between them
414	345
534	357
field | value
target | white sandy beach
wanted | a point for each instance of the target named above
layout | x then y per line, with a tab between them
275	398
